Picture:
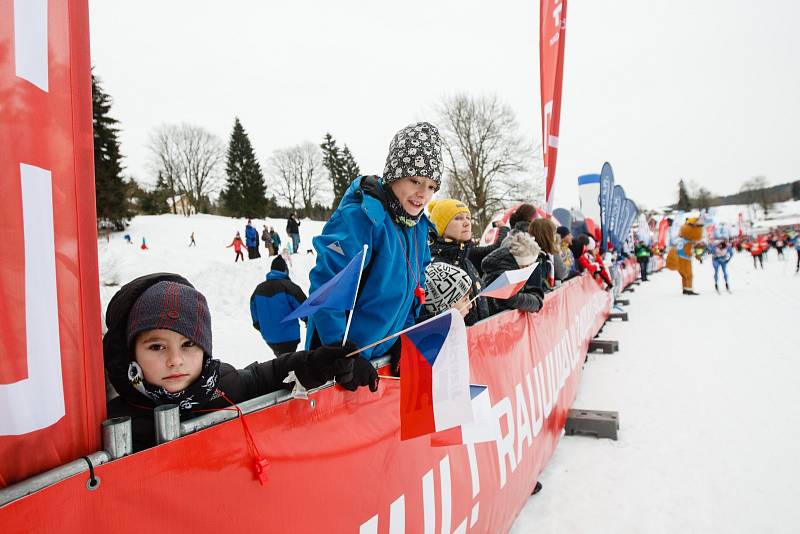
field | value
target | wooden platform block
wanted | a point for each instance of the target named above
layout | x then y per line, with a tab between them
592	422
621	302
618	315
606	346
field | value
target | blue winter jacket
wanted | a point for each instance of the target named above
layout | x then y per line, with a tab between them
386	303
251	236
271	302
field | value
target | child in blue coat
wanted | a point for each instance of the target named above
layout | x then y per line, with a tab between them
271	302
387	214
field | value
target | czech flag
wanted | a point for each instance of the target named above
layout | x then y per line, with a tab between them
484	426
509	283
434	370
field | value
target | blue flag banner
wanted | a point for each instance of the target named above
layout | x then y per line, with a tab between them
617	201
629	213
606	192
339	293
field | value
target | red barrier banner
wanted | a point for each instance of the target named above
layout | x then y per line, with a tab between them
52	394
338	465
552	28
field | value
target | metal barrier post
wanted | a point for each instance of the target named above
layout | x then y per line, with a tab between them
117	437
168	423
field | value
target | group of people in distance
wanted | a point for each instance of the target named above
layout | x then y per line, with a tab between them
271	239
158	347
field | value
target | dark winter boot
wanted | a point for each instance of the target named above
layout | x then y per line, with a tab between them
716	287
537	488
727	287
689	292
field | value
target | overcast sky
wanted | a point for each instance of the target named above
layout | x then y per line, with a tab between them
704	90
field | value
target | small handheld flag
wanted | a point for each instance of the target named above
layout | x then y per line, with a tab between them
434	364
338	293
484	426
508	284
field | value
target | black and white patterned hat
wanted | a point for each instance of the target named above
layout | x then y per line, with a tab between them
445	285
416	150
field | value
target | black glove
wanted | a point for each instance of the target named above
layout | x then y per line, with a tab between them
394	357
361	373
314	368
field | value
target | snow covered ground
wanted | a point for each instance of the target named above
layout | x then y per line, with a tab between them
705	386
706	389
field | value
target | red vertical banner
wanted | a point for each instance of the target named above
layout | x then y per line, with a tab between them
552	27
52	395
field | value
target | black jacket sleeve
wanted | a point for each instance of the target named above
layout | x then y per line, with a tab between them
253	381
476	254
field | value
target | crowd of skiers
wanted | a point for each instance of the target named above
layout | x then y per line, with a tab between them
158	348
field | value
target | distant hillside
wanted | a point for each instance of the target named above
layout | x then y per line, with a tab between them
775	193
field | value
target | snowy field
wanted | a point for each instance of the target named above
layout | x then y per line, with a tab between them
209	267
706	389
705	386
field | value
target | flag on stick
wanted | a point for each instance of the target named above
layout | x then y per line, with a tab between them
483	427
508	284
338	293
434	364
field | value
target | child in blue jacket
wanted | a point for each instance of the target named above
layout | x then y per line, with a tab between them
387	214
271	302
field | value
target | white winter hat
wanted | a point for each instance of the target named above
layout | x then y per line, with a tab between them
445	285
523	247
592	244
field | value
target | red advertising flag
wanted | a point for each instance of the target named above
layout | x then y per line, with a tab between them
52	394
552	27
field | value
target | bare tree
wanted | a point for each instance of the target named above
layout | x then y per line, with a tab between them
299	176
484	155
188	159
756	193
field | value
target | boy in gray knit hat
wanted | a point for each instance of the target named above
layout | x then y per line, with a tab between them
158	350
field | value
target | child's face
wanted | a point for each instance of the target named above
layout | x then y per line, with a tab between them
414	193
168	359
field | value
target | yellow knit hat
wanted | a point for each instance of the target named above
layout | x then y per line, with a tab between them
443	210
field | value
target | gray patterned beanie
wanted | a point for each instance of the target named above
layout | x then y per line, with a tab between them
175	307
416	150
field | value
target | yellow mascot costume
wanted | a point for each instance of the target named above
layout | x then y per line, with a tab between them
681	253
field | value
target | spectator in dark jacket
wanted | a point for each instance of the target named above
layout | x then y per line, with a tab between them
158	350
293	229
519	250
251	240
276	240
454	245
271	302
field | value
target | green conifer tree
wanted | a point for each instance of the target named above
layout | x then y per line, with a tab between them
111	190
684	201
245	192
342	167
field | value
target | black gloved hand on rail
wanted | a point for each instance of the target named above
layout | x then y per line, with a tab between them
314	368
361	373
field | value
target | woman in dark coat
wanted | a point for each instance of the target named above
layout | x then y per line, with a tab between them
454	245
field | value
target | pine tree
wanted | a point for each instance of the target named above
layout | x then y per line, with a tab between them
351	168
111	191
684	202
342	167
245	192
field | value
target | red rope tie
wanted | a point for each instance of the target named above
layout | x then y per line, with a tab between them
260	463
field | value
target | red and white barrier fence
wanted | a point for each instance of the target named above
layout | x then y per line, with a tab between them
339	465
